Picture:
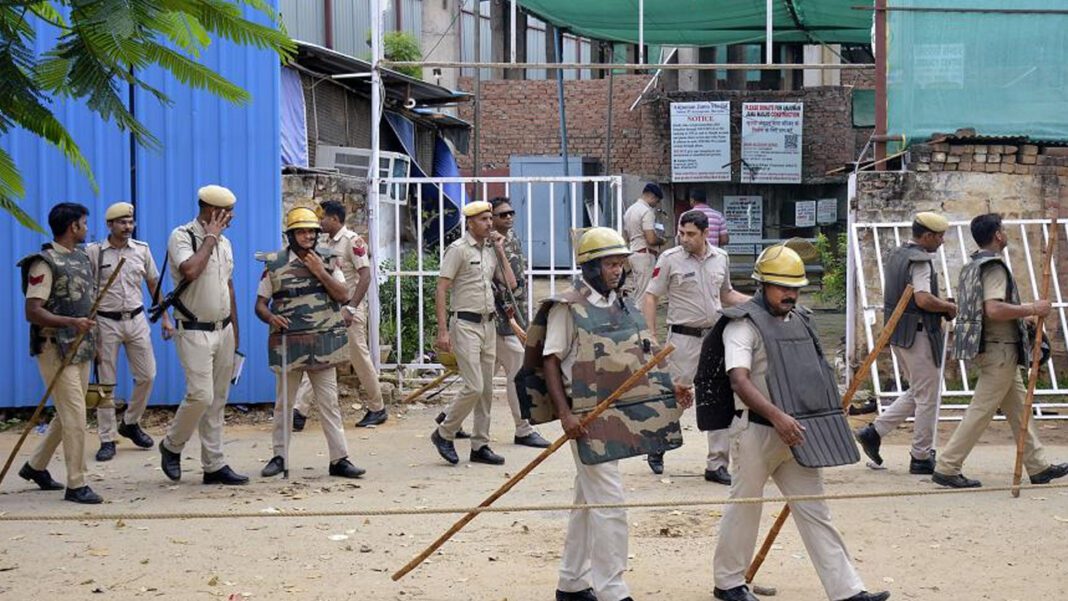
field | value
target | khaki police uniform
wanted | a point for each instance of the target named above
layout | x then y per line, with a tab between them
207	355
351	251
121	322
595	548
638	218
758	454
472	334
1000	385
693	287
321	385
68	395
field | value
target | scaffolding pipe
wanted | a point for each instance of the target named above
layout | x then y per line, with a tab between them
769	26
515	15
641	32
631	66
373	174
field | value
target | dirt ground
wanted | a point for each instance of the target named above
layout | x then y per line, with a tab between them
976	546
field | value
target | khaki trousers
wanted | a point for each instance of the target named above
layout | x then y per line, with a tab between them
208	361
641	271
595	549
758	453
360	356
323	384
68	426
921	400
682	364
475	347
135	336
510	358
999	385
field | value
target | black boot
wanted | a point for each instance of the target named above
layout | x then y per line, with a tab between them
870	441
170	463
656	462
41	478
82	494
136	434
106	452
298	420
225	475
445	448
373	418
486	455
343	468
275	466
738	593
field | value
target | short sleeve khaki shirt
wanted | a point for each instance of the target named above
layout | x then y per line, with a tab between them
208	296
693	285
471	267
126	293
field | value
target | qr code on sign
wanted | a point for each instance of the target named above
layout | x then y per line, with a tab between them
790	141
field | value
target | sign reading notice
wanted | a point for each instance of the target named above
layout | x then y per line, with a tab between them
771	142
700	141
745	222
827	211
805	213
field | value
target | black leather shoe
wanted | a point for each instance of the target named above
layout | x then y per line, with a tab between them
866	596
275	466
41	478
343	468
958	481
298	420
656	462
1050	473
170	463
445	448
225	475
459	433
373	418
870	441
136	434
106	451
532	440
82	494
486	455
586	595
719	475
921	467
738	593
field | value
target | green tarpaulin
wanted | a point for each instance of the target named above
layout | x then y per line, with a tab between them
709	22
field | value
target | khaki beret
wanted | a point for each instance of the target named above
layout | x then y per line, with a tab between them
119	210
932	221
217	196
477	208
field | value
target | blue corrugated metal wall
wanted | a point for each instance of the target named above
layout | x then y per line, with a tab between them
205	140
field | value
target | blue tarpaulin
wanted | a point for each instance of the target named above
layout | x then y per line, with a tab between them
294	120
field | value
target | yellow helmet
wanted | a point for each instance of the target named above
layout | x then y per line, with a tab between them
598	242
780	265
301	218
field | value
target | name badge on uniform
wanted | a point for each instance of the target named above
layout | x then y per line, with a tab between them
692	274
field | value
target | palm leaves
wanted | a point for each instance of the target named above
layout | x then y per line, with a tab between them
101	47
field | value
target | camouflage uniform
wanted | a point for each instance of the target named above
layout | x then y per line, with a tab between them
316	342
63	279
509	349
998	349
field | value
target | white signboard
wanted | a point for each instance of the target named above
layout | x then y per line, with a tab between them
771	142
827	211
700	141
745	222
805	213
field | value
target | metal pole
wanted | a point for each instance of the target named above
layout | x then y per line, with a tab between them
851	282
373	179
641	32
478	87
515	15
633	66
880	81
563	115
769	26
286	428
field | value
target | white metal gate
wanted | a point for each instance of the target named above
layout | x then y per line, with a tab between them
1027	241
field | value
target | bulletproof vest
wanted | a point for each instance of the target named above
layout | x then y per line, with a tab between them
968	331
72	295
317	336
611	344
801	383
896	274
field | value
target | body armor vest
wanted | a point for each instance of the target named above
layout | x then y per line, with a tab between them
72	295
317	337
612	343
897	273
968	331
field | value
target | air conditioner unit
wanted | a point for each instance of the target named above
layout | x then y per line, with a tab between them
355	162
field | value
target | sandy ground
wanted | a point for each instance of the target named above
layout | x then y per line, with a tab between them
961	547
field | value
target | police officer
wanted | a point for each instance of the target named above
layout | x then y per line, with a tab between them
991	332
300	296
695	277
509	348
644	236
59	287
467	270
917	342
350	251
122	322
207	334
768	347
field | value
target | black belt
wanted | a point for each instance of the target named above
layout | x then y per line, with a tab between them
204	326
688	331
472	317
121	315
754	417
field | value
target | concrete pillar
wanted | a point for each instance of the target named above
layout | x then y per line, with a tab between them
815	54
736	79
437	16
708	80
689	79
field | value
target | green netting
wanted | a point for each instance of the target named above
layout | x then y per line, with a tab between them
863	108
1002	74
709	22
